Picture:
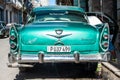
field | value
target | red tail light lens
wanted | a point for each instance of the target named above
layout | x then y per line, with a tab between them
105	36
13	45
105	44
12	37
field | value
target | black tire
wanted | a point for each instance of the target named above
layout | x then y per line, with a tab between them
22	69
3	35
91	66
7	34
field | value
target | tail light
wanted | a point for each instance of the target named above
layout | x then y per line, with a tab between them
13	45
105	44
105	36
13	39
104	41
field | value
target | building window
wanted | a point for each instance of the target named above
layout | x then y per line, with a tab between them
84	4
1	15
6	16
10	16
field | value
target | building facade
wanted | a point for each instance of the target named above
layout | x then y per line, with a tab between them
10	11
2	6
110	7
13	11
106	6
38	3
65	2
118	11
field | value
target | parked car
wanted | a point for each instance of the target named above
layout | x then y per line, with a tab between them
58	34
4	30
104	18
16	25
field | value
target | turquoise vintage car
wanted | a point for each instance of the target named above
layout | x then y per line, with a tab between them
58	34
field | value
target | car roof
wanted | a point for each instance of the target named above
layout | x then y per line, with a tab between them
74	8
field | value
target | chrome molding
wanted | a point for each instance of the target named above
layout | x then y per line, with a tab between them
59	35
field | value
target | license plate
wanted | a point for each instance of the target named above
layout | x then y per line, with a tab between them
58	48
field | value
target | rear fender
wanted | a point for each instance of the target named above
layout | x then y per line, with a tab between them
104	36
13	39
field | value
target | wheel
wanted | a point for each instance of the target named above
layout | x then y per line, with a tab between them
3	35
7	35
22	69
91	66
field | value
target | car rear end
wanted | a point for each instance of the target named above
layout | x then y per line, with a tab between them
62	36
74	44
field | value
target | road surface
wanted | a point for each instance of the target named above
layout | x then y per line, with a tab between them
46	71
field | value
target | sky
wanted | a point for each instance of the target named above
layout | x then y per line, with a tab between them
52	2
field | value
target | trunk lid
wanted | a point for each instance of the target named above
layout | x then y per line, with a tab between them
45	34
80	36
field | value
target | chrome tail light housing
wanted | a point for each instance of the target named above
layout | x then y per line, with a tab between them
104	38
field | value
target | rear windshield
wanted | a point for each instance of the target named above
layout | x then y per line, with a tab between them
60	16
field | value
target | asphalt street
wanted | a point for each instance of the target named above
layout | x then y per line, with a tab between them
5	72
40	72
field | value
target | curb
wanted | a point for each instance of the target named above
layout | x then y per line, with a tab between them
112	68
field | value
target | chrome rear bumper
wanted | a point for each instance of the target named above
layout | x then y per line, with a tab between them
41	58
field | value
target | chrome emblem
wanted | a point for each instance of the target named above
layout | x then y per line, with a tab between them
59	31
59	34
